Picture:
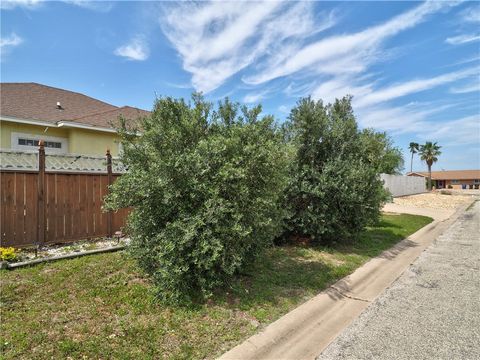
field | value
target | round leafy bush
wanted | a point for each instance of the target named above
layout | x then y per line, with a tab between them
205	187
335	189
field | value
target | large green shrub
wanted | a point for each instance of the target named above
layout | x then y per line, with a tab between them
205	187
378	150
335	189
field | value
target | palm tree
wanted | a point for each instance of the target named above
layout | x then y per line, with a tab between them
429	153
413	149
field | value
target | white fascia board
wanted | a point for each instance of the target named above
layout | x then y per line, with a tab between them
84	126
28	122
59	124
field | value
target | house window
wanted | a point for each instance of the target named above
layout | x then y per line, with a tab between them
29	142
455	182
476	181
33	142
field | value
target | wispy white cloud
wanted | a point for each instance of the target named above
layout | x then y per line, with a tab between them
465	61
462	39
100	6
470	59
268	41
473	86
9	42
471	14
178	86
222	38
367	94
341	63
255	97
422	119
297	89
12	4
357	50
340	86
409	118
284	109
137	49
370	97
463	131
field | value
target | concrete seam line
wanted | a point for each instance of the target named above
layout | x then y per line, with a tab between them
64	257
348	296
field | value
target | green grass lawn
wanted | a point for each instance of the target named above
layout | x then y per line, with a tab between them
101	306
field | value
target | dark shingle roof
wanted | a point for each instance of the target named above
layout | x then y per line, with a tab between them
109	117
34	101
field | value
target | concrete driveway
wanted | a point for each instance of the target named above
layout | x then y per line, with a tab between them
431	312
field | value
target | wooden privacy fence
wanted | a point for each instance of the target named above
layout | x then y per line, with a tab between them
45	207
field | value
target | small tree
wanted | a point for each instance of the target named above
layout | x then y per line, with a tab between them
205	186
430	153
413	147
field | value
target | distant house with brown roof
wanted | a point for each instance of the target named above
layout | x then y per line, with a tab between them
68	122
456	179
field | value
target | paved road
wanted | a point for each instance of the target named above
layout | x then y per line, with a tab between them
431	312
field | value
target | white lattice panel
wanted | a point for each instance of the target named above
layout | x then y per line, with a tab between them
54	162
19	160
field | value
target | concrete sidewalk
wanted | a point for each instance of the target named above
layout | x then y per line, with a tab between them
307	330
431	311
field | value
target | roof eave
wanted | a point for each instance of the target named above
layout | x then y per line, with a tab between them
58	124
27	121
72	124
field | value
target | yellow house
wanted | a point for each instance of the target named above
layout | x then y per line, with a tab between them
68	122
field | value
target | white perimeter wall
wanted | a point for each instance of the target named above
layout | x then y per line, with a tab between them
400	185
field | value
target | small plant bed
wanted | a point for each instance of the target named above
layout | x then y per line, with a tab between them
51	251
102	306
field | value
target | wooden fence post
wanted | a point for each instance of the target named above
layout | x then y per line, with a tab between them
110	181
41	194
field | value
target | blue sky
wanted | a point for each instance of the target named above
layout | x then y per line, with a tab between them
412	67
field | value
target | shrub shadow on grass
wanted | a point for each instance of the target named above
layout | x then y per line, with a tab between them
387	224
289	274
384	235
283	273
370	244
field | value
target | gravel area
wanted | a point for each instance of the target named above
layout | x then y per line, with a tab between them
70	248
434	200
431	311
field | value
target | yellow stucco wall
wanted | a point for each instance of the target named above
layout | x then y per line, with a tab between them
80	141
92	142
